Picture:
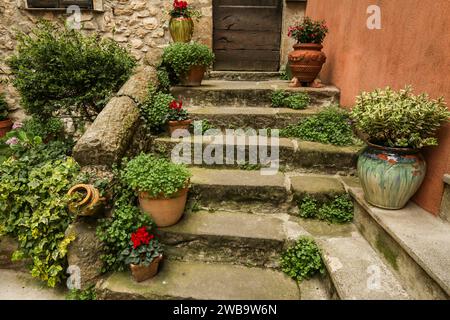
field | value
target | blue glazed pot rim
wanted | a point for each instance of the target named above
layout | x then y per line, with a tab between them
392	149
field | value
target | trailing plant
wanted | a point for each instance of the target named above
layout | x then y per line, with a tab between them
155	109
86	294
3	108
338	210
399	118
178	58
176	111
83	73
308	31
302	260
181	9
144	247
283	99
330	126
156	176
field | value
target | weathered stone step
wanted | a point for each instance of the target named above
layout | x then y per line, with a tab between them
242	75
250	117
293	153
415	243
230	237
195	280
220	93
357	272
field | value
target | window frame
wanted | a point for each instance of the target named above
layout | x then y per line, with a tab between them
97	6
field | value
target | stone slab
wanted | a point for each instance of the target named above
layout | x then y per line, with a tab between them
320	187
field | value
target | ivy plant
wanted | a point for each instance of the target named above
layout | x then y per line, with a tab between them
303	260
283	99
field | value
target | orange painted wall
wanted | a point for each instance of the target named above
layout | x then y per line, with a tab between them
412	47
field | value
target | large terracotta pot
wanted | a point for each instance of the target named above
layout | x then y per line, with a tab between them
181	29
165	212
175	125
5	127
306	61
141	273
390	176
194	77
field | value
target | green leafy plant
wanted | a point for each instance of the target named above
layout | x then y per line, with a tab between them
178	58
155	109
46	128
338	210
309	207
283	99
330	126
302	260
3	108
156	176
61	70
86	294
164	81
144	247
308	31
399	118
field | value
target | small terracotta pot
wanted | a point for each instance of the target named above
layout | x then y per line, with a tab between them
141	273
175	125
181	29
165	212
194	77
5	127
90	205
306	61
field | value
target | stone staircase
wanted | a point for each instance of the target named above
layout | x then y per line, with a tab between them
229	243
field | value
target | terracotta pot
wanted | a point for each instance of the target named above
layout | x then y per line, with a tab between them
175	125
390	176
165	212
306	61
141	273
5	127
194	77
90	205
181	29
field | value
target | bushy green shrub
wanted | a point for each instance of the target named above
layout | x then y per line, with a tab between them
330	126
61	70
399	118
338	210
303	260
283	99
45	128
155	109
3	108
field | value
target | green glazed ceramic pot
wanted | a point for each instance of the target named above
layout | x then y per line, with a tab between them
181	29
390	176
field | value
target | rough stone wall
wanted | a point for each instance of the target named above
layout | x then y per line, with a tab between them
292	12
140	25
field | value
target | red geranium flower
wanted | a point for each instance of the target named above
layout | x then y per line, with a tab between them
141	236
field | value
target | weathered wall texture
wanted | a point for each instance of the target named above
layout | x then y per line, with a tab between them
412	47
141	25
292	12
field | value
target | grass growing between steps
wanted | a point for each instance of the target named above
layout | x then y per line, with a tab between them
283	99
303	260
338	210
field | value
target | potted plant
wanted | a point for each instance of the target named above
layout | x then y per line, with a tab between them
143	255
5	123
396	125
181	25
188	62
162	187
307	59
178	118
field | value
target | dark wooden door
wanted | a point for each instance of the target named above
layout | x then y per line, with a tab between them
247	34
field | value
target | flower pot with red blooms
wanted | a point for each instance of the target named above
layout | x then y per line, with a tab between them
178	118
162	187
5	123
143	254
307	59
181	25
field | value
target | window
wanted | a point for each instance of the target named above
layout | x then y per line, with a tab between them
86	4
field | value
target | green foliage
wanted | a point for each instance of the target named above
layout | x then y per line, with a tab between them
303	260
178	57
308	31
45	128
164	81
61	70
339	210
3	108
330	126
399	118
155	109
283	99
142	253
156	176
86	294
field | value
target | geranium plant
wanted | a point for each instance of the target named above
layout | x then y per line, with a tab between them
308	31
176	111
181	9
144	247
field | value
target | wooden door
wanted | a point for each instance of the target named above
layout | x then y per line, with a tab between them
247	34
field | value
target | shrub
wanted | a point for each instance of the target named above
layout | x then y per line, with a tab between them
399	118
156	176
308	31
303	260
178	58
61	70
155	109
45	128
282	99
3	108
330	126
338	210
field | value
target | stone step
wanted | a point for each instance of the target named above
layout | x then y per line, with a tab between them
293	153
250	117
221	93
242	75
413	242
200	281
230	237
357	272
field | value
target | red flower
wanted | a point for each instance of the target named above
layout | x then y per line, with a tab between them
141	236
176	105
180	5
